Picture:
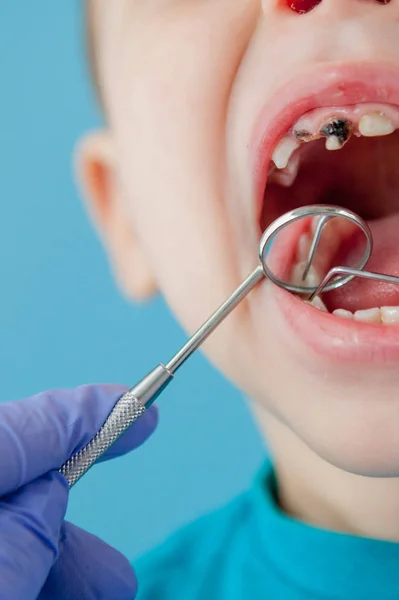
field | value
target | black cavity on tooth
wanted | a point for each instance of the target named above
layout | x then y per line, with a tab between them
340	128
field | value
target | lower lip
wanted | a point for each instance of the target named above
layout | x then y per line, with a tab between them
334	338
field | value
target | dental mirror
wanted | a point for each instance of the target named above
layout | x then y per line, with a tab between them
299	249
306	251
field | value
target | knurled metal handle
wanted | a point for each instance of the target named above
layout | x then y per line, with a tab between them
125	412
129	408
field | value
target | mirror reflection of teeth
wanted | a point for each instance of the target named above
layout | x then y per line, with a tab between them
312	279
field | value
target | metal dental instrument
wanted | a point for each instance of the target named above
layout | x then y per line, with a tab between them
315	243
337	271
132	405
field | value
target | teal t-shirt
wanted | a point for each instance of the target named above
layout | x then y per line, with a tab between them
251	550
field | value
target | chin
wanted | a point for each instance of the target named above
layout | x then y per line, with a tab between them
358	449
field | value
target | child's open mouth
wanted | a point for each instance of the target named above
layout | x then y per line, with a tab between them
338	143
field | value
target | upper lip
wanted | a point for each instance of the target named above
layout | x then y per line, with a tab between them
341	84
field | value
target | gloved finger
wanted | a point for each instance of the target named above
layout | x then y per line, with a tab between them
88	568
40	433
30	524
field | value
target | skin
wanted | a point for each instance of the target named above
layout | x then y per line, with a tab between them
183	83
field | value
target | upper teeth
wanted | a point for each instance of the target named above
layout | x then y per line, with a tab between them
283	151
337	132
375	124
333	143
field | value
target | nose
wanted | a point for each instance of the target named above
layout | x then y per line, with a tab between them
305	6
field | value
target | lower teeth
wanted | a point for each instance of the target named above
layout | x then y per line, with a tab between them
344	314
386	315
371	315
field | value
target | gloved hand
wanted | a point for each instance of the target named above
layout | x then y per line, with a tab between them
41	555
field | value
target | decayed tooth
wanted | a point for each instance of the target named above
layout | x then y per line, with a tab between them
283	152
303	247
338	131
333	143
375	124
370	315
390	314
344	314
303	135
318	303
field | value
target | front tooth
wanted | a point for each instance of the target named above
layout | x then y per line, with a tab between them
370	315
283	152
344	314
333	143
318	303
375	124
390	314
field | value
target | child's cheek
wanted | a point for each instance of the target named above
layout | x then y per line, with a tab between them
169	121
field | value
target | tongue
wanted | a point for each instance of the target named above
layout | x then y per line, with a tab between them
361	294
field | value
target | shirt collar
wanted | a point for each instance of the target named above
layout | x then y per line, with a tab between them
327	564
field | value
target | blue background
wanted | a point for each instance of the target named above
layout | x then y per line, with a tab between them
62	321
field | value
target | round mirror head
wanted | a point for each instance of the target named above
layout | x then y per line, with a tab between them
299	249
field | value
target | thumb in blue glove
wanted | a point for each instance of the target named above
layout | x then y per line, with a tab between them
42	556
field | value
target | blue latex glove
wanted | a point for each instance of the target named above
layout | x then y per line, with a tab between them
41	555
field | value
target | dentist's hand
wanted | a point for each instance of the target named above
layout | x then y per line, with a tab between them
41	555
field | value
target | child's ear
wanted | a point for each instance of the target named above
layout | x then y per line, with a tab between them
99	182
